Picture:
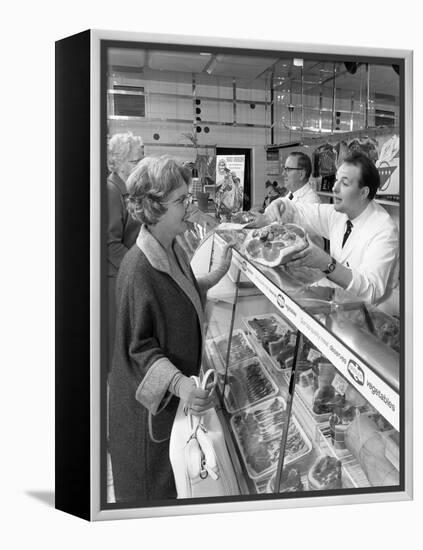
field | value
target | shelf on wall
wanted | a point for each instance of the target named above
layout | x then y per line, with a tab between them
321	138
380	201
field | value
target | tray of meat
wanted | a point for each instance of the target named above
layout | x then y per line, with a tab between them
247	383
325	474
243	217
258	432
233	236
274	244
241	348
276	336
290	482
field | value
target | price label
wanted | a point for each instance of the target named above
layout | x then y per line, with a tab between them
292	339
340	384
313	354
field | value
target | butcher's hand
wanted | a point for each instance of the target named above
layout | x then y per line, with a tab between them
196	400
310	256
260	220
275	211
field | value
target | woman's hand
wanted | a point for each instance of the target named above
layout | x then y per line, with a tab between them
196	399
260	221
224	262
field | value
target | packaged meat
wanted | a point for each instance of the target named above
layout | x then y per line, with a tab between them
241	348
273	334
247	383
305	378
325	474
258	431
325	398
243	217
234	236
290	482
274	244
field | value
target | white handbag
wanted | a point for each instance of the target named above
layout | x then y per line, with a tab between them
198	453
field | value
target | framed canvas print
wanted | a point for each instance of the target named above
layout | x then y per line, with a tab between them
233	275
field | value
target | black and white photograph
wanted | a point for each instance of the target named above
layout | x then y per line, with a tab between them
247	205
211	287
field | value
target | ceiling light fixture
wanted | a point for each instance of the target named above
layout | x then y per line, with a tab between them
211	65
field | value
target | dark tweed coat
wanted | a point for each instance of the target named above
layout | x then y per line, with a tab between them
158	331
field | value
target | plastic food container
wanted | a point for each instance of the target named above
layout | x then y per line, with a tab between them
258	432
325	474
241	348
274	244
248	383
291	481
275	335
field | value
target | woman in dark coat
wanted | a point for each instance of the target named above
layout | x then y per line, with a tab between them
158	341
124	151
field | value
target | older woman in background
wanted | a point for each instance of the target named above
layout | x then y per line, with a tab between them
159	333
124	153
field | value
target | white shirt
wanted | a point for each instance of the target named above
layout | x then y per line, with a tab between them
305	194
371	251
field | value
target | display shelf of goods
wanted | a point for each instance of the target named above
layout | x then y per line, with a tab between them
343	436
365	460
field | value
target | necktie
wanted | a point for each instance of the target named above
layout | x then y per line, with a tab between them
347	232
290	196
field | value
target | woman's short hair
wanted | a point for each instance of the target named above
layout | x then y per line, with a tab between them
119	148
369	173
151	183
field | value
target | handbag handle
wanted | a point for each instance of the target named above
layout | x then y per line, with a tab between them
201	383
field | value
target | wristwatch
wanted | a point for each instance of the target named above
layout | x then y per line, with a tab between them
331	267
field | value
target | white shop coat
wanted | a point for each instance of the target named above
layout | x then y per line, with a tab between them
371	251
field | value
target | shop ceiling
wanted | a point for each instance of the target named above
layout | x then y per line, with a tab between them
287	75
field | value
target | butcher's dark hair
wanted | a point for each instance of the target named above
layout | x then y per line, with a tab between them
304	162
369	173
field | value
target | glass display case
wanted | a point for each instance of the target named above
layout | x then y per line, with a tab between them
308	387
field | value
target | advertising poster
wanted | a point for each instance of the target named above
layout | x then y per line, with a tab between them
230	171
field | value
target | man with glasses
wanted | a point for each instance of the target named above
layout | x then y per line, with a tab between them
363	258
297	171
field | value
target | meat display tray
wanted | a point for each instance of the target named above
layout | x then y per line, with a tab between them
258	432
247	383
241	348
274	335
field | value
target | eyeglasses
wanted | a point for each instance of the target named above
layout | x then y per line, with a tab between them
185	201
289	169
